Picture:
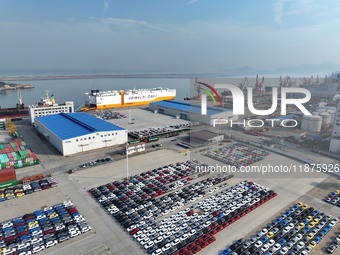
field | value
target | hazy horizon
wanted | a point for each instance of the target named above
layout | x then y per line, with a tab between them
168	37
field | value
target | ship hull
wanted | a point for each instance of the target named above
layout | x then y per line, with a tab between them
129	104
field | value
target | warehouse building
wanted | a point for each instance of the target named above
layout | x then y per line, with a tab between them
72	133
189	111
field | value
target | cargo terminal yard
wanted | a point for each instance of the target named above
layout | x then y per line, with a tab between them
168	205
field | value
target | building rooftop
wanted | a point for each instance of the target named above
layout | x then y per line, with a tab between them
189	107
70	125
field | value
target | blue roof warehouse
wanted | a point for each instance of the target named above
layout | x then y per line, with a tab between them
72	133
190	111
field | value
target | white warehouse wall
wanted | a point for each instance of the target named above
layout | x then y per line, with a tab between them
83	143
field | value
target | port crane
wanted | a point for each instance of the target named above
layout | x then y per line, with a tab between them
244	84
259	85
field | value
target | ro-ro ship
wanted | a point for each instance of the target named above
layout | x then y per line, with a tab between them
124	98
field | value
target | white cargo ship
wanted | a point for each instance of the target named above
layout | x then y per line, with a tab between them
108	99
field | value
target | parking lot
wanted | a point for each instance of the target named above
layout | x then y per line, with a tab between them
108	237
139	115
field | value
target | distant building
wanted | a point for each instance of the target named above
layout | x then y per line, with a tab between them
47	106
205	136
72	133
190	111
335	141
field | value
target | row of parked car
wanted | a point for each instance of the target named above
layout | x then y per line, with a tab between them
34	232
237	154
25	189
334	198
192	229
297	230
96	162
334	245
138	215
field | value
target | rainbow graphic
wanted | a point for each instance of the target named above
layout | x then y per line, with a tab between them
209	93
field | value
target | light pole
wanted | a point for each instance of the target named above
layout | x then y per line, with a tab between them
127	162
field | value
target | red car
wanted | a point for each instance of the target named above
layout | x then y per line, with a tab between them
204	244
29	218
211	239
134	231
225	224
213	232
206	236
191	246
191	212
23	233
199	240
155	195
183	250
196	249
214	225
49	231
10	238
151	185
219	228
19	224
189	179
215	213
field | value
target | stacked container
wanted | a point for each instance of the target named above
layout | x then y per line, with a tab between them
16	154
7	177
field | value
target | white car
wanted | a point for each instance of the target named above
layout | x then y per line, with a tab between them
51	243
38	248
148	245
75	233
157	252
166	247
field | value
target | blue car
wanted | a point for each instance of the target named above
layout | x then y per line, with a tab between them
30	220
278	220
316	212
264	239
39	212
317	239
50	211
18	221
122	195
63	212
75	214
282	242
2	199
34	229
289	212
24	237
305	221
284	223
21	227
54	219
227	251
295	207
6	229
307	228
43	220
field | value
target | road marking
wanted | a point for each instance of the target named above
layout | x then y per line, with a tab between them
72	243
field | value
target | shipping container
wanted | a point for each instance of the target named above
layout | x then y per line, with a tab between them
8	184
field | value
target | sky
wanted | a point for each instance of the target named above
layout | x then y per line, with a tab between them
167	36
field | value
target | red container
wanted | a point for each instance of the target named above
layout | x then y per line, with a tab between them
7	172
8	178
